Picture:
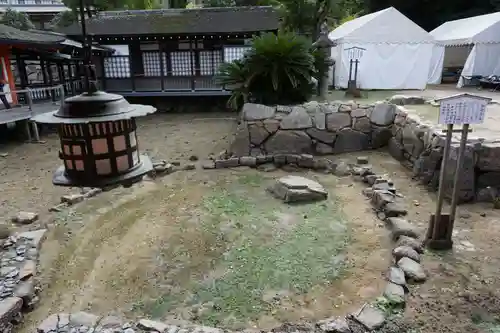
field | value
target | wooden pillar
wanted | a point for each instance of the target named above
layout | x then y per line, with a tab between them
51	81
191	52
71	79
43	66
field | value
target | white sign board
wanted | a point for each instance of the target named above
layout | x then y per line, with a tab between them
462	110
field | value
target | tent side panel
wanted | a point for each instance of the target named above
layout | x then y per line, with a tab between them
389	66
484	60
436	64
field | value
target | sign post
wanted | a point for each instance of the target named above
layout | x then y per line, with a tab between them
462	109
354	55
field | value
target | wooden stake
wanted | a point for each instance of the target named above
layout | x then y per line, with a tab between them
456	180
440	198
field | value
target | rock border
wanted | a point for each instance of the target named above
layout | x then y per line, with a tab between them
388	206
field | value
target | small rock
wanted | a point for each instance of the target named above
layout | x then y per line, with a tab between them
267	167
367	192
4	154
91	192
166	168
334	325
58	208
342	169
189	166
362	160
208	165
412	269
72	199
193	158
381	215
150	325
405	251
25	218
370	317
397	276
395	209
411	242
401	227
394	293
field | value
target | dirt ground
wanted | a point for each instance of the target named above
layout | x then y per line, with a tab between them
91	264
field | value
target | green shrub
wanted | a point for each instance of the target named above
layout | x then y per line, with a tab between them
276	70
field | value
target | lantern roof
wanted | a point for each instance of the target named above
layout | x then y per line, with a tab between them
94	107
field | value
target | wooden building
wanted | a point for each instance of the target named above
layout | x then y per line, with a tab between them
38	68
172	52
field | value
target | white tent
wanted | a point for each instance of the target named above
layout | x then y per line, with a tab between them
393	51
473	42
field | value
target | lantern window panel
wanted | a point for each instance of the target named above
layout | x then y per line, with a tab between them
122	163
133	139
119	143
79	165
100	146
103	167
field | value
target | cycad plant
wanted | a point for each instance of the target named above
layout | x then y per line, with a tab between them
276	70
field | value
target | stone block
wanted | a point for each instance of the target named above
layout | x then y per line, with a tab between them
231	162
383	114
297	189
297	119
362	125
322	135
489	157
370	317
349	140
337	121
25	218
253	111
412	269
290	141
401	227
240	146
72	199
380	136
258	133
395	149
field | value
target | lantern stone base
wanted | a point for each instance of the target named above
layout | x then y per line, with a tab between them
135	175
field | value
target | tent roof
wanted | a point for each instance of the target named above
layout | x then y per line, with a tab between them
477	29
385	26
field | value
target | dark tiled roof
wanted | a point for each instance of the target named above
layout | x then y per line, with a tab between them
13	36
180	21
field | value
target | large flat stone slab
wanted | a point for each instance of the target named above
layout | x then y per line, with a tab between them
298	189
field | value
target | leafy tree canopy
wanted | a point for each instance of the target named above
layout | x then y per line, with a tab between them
17	20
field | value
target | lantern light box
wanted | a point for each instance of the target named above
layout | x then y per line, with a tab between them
99	145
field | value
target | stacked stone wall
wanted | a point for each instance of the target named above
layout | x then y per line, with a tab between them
340	127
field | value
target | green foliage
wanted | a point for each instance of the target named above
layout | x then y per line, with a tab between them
276	70
63	19
17	20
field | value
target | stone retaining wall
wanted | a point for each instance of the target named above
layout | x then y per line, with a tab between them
312	128
339	127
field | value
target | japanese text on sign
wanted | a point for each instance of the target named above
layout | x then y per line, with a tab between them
459	111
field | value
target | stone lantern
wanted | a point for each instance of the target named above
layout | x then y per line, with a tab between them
98	138
97	131
324	44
